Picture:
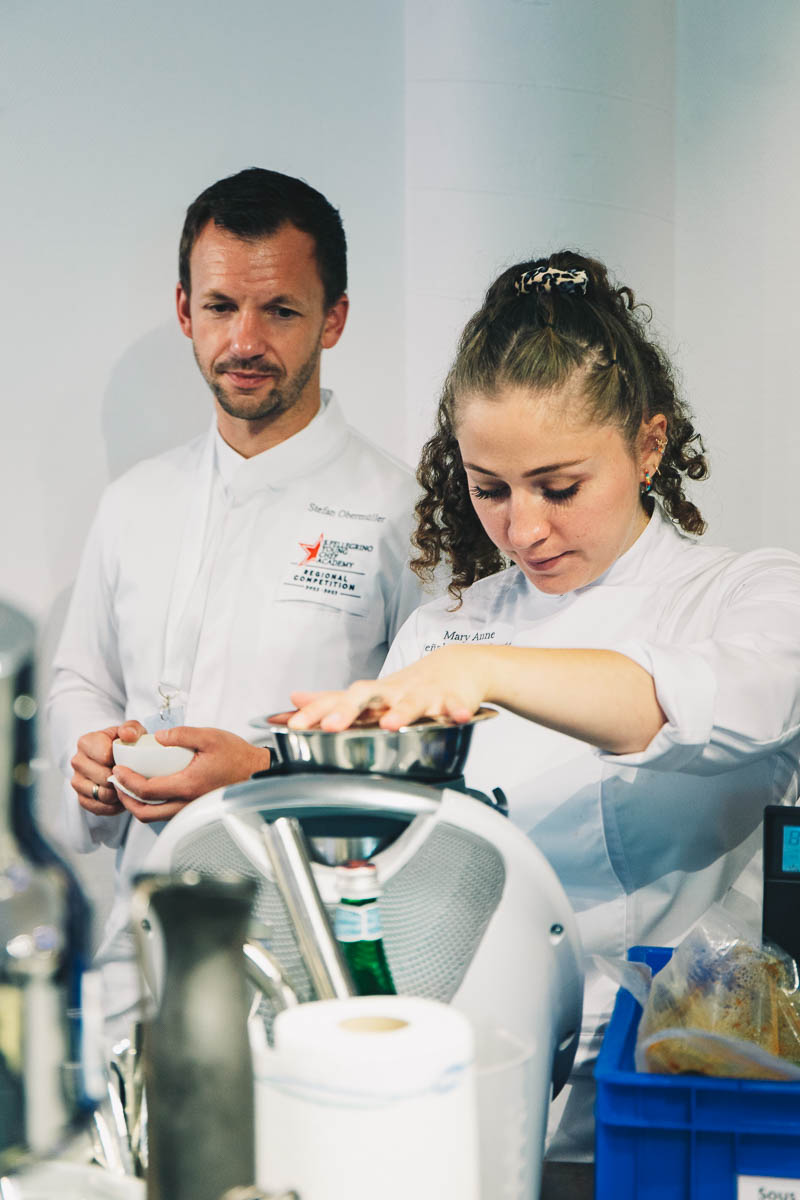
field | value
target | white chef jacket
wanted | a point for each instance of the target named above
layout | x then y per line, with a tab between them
284	571
644	843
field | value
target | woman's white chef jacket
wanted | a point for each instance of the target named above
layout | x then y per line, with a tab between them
308	545
644	843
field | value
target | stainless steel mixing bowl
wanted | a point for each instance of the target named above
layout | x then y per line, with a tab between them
429	750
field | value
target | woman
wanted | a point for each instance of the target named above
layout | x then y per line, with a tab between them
652	683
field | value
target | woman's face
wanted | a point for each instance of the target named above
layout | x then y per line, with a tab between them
557	494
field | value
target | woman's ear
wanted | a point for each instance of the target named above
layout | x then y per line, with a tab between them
652	442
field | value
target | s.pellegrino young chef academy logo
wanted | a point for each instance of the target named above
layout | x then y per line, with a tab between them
330	570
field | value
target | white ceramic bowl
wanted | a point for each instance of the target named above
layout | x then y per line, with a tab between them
149	758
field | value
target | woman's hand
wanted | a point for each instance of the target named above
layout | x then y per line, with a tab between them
451	682
221	758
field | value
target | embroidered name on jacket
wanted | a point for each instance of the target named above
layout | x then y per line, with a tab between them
499	635
345	512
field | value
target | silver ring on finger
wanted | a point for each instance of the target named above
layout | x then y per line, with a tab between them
95	791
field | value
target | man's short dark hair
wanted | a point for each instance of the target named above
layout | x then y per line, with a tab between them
256	203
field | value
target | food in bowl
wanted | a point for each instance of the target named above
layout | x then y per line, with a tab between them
369	720
149	758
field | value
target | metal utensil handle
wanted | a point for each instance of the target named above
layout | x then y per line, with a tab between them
255	1193
266	975
326	966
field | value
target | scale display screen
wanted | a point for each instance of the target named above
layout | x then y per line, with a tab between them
780	923
790	851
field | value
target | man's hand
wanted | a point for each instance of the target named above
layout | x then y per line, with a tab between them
221	758
92	764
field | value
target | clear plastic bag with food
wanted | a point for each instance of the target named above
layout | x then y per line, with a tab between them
722	1005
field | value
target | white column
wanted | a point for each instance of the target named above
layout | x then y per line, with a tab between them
738	259
531	126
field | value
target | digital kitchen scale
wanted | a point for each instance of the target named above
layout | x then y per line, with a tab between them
781	912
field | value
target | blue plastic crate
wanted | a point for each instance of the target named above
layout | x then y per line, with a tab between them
670	1137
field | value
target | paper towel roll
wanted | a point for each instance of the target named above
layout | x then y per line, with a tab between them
368	1097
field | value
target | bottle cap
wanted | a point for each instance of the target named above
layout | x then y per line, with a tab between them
358	880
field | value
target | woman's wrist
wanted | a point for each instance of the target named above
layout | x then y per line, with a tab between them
488	672
480	671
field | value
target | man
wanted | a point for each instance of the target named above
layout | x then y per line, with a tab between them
268	555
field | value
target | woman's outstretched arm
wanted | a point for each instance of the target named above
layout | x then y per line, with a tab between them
599	696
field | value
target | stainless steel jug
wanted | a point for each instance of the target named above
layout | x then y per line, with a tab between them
44	923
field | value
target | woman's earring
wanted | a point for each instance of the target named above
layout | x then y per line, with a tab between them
647	484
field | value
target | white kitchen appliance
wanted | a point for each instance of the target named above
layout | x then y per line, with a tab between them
473	914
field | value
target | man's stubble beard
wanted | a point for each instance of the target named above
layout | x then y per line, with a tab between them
278	401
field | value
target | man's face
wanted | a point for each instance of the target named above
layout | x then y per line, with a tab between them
257	319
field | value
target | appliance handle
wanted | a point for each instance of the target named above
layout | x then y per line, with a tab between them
319	795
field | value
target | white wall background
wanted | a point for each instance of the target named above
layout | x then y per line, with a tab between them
455	136
737	257
531	127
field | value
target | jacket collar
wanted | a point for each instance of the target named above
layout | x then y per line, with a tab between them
657	542
300	455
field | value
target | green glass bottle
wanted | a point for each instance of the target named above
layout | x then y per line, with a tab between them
358	930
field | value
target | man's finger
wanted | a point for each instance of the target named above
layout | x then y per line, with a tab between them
96	798
98	792
130	731
89	770
149	813
190	737
94	747
135	783
160	788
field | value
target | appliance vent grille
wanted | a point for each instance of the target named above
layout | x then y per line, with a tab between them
435	909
